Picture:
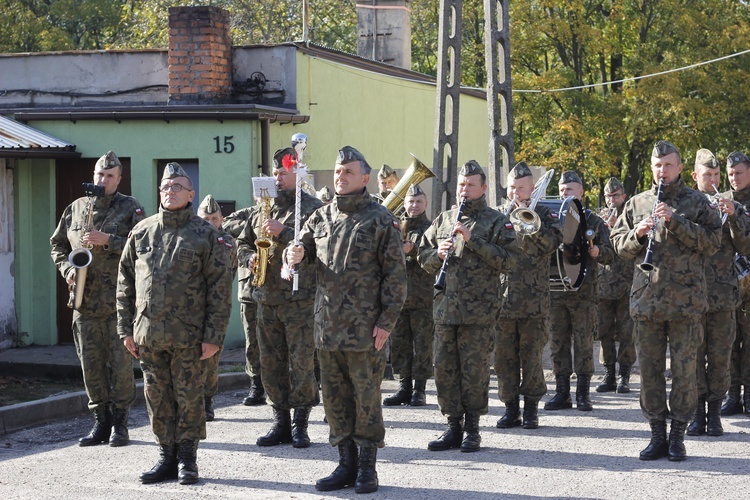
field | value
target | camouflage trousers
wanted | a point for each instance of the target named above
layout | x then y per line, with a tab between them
683	336
740	360
412	342
616	325
714	354
106	364
571	320
173	386
462	368
519	344
350	383
287	354
249	314
211	374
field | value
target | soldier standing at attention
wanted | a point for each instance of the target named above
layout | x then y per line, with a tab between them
738	171
412	337
355	248
615	323
523	322
210	211
234	224
173	304
285	319
667	302
720	322
106	364
572	314
465	311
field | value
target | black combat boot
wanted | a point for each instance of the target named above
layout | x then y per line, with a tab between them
402	396
472	439
747	401
257	394
530	416
418	397
609	383
512	417
698	426
102	428
345	473
624	386
713	423
732	404
300	439
450	438
165	468
187	468
367	476
658	447
120	436
561	399
281	432
209	404
677	441
583	401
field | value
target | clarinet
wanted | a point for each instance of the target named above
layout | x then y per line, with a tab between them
646	265
440	281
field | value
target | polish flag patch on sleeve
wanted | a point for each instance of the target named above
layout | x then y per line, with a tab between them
139	211
396	224
508	225
555	215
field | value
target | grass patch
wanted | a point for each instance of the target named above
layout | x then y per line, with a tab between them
232	368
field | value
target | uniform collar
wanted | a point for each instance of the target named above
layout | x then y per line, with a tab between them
284	198
349	203
475	206
103	202
742	196
669	190
176	217
416	220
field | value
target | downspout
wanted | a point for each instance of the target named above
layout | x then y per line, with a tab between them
265	146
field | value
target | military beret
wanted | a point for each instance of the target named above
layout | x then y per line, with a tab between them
385	172
570	176
736	158
209	206
520	171
348	154
705	158
612	185
471	167
108	160
663	148
414	190
284	158
325	194
172	170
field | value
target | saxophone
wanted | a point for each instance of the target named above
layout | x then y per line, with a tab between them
81	257
264	245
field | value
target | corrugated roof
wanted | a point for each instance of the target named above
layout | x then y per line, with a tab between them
16	136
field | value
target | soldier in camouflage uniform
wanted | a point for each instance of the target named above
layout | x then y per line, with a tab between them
106	364
738	171
412	337
480	247
573	314
210	211
234	224
173	303
720	322
667	302
285	319
615	323
354	246
523	321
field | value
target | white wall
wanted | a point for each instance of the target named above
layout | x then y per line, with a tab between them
8	324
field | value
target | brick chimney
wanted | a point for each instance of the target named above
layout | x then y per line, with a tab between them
200	55
384	31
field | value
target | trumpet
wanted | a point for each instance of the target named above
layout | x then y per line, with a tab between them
524	219
608	213
647	264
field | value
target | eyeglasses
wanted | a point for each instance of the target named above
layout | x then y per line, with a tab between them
613	195
174	187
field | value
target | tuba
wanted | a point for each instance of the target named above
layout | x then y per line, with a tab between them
416	173
525	220
81	257
264	245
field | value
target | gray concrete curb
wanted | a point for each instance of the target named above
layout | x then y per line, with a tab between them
23	415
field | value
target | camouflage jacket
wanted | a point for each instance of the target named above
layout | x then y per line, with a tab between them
115	215
174	285
355	247
472	294
276	290
739	243
526	287
229	242
234	224
616	278
419	281
677	285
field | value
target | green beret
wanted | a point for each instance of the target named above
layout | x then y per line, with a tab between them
414	190
278	158
612	185
520	171
107	161
736	158
706	158
471	167
663	148
385	172
172	170
348	154
570	176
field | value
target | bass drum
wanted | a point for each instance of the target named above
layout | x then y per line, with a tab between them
568	263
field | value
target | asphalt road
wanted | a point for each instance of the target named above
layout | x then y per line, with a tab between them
572	455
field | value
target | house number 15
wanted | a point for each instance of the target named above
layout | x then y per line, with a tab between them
228	146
